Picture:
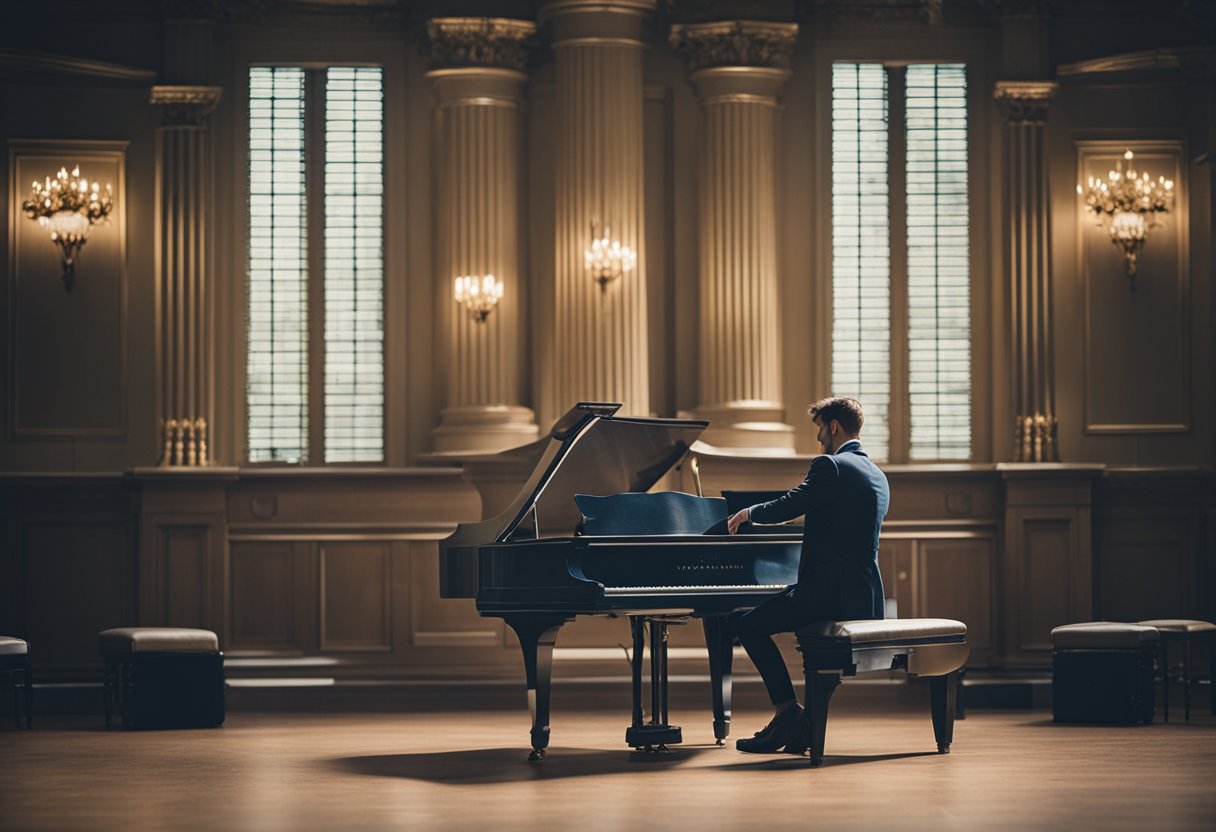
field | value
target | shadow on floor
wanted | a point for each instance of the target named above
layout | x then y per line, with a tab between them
789	763
510	765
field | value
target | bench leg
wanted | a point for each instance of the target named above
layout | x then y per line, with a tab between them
943	693
109	685
819	689
29	696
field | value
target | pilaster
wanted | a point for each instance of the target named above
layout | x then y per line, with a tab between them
738	69
599	343
477	77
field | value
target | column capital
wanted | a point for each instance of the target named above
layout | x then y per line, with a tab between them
185	105
597	22
1027	100
484	42
735	44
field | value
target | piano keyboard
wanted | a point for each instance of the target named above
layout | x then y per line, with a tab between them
691	590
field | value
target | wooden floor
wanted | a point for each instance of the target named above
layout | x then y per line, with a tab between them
437	768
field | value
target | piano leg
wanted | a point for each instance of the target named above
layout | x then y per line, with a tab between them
638	625
719	642
537	634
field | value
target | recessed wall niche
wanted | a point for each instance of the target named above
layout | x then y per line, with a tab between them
67	363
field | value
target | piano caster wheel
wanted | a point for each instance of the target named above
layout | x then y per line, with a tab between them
720	743
663	749
537	755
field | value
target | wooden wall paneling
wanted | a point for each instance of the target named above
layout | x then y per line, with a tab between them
444	622
955	579
1147	567
270	594
77	580
184	588
67	373
895	566
1113	307
356	583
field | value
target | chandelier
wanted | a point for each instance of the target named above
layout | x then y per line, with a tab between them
607	259
69	207
478	295
1128	205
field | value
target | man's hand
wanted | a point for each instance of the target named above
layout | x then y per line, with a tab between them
738	519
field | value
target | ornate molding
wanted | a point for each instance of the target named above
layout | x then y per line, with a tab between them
1027	100
186	105
479	41
735	43
880	11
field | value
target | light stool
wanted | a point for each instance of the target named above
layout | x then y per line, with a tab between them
932	647
16	670
1102	672
1184	631
163	677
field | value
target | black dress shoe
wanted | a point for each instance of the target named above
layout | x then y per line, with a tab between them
787	727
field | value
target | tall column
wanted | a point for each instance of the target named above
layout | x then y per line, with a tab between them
1025	62
738	69
599	348
185	305
478	78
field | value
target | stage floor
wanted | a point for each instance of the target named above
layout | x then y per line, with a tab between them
439	767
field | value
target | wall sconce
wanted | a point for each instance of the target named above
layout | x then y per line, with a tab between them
478	295
1128	205
608	259
69	206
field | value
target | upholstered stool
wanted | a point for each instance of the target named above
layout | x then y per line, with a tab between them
15	668
933	647
1103	672
163	677
1184	631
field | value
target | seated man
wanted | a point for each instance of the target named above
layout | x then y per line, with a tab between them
845	499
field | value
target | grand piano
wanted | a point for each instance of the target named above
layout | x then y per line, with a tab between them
649	557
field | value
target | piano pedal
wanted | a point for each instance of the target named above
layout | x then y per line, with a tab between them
649	737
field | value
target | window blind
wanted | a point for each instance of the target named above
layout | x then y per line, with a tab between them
354	265
939	299
861	247
277	347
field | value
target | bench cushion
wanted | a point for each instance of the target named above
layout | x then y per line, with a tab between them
10	646
1180	625
158	640
1103	635
883	629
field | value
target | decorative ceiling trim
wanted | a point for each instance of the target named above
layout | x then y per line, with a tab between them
26	60
1175	58
185	105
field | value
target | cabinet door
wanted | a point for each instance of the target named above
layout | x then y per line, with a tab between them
953	579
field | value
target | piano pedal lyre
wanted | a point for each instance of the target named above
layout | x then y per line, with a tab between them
656	735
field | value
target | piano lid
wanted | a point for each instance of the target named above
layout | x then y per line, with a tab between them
589	451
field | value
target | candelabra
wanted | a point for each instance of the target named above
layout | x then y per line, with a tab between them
1128	205
478	295
607	259
69	206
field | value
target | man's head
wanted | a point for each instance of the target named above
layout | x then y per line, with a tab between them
838	419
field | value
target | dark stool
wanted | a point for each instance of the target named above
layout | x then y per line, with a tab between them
933	647
1102	672
1184	631
163	677
15	668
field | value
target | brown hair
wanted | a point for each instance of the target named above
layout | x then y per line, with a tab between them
843	409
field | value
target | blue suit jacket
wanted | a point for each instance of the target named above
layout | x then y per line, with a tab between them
845	498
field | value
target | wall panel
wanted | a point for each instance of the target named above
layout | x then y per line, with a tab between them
67	373
355	598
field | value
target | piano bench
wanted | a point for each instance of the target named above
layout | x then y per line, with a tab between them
163	677
1102	672
932	647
